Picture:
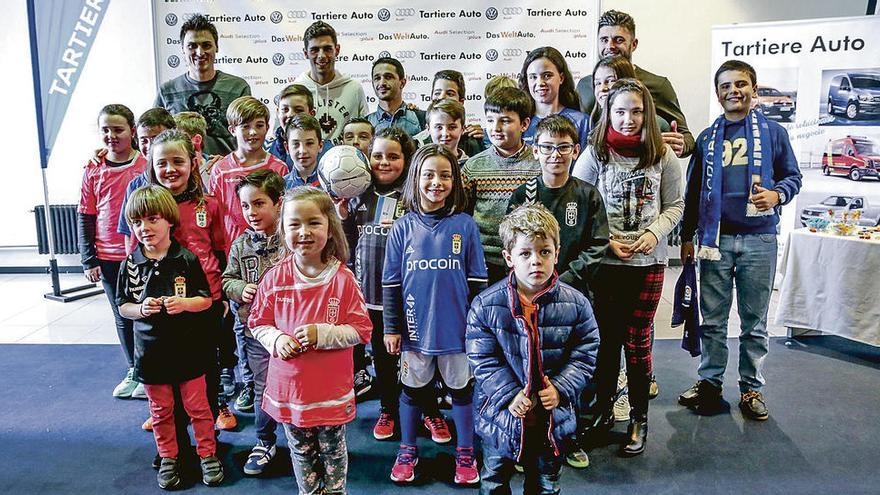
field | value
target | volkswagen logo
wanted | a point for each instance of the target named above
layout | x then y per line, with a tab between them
511	10
492	55
491	13
296	14
511	52
278	59
404	12
276	17
173	61
171	19
403	54
384	15
384	54
296	56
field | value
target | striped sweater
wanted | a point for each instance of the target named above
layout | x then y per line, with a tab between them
490	180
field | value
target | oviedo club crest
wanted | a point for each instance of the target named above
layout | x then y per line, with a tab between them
571	214
333	310
456	243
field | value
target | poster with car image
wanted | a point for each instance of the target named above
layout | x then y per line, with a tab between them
820	79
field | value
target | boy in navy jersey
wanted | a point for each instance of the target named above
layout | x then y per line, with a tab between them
742	171
532	343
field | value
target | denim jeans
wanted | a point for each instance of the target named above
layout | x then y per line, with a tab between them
541	468
258	358
124	326
244	367
749	262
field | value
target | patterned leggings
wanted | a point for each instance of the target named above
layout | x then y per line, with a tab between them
626	300
320	458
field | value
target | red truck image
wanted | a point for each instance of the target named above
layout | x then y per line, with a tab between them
854	156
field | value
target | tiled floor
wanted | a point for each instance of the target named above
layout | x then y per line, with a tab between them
28	318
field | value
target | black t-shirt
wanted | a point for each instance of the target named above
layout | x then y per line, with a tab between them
167	348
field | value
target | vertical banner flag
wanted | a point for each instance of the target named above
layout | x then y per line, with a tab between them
65	32
262	41
820	79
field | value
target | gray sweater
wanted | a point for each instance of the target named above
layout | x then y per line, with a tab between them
632	201
250	256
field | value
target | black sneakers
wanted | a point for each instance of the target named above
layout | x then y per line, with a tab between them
212	471
753	406
169	473
703	397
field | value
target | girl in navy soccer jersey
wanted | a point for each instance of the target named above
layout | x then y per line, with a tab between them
434	266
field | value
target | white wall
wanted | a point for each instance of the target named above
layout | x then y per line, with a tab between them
674	37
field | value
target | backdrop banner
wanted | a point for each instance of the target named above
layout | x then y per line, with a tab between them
821	80
262	41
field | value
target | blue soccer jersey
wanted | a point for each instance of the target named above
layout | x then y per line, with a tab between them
432	263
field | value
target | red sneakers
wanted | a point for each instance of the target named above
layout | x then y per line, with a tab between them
404	469
438	429
384	426
466	472
225	419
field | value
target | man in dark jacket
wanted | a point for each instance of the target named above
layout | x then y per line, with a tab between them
532	343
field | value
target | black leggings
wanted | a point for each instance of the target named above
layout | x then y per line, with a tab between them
124	326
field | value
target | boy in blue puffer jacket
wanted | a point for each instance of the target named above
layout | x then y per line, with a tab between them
532	343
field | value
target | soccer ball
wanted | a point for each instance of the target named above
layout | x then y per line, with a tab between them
343	172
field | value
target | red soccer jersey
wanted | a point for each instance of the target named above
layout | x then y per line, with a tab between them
101	194
224	178
315	387
200	231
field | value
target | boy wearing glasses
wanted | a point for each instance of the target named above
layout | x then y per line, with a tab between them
578	207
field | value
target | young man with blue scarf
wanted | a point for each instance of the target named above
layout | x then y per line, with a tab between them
742	171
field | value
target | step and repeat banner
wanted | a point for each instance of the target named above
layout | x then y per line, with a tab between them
820	79
262	41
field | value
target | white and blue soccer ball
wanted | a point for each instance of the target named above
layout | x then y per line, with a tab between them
344	172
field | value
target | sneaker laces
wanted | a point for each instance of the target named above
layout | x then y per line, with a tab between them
406	455
436	423
130	375
752	395
385	419
464	457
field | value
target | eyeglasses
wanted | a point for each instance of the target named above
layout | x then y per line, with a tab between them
564	149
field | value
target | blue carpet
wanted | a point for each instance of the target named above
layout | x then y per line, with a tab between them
62	433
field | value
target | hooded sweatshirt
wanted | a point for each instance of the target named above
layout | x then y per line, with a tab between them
335	102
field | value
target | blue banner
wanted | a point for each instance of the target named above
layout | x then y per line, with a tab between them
62	33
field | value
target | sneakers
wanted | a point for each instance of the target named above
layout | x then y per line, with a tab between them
753	406
148	424
363	382
227	382
653	389
466	472
384	426
438	429
169	474
212	471
225	419
126	386
577	459
139	392
260	457
245	400
622	408
404	469
702	397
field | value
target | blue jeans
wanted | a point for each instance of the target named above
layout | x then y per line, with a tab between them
540	467
244	367
749	262
258	358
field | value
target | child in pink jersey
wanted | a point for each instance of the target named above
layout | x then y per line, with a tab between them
100	246
308	313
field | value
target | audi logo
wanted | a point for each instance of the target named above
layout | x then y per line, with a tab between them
296	14
409	96
404	12
276	17
511	52
491	13
384	54
511	10
278	59
171	19
383	14
173	61
492	55
404	54
296	56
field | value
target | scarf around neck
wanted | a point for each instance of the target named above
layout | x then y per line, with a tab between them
628	146
760	172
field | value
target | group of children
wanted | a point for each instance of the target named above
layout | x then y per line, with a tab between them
479	271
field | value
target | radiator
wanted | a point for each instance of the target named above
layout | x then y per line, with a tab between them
63	218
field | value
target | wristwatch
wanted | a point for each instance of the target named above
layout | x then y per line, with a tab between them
781	196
